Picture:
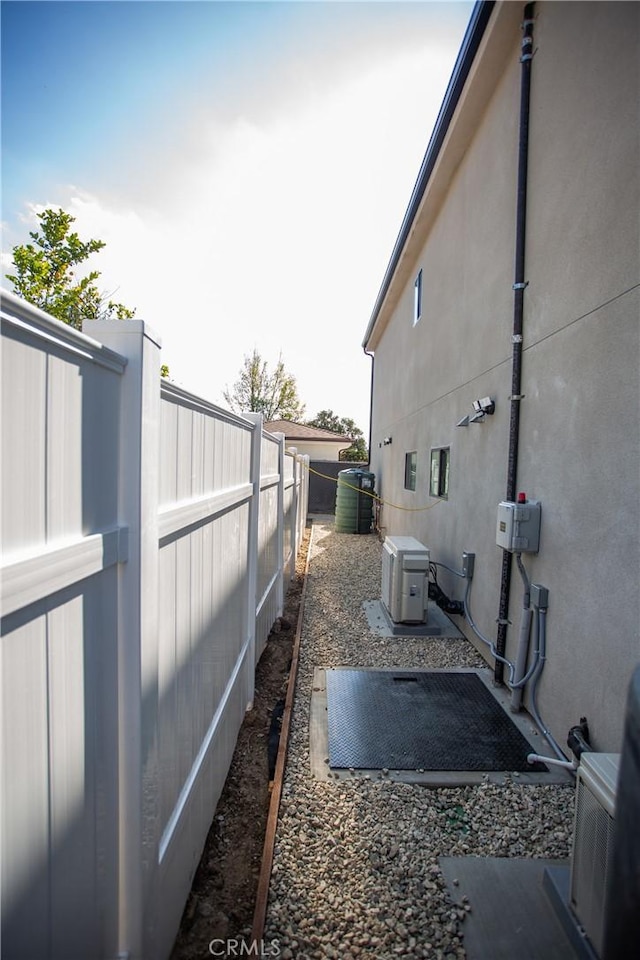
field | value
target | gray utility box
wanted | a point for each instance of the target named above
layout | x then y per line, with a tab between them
405	571
518	526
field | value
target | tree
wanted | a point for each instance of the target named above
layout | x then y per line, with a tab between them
328	420
45	273
274	395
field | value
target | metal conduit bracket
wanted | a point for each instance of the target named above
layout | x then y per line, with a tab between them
520	286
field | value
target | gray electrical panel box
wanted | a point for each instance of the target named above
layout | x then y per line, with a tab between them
518	526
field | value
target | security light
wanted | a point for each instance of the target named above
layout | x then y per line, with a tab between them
486	405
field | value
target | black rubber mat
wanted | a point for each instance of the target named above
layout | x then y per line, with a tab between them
420	720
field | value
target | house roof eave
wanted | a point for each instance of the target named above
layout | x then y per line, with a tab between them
304	433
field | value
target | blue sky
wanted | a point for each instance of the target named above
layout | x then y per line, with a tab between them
247	163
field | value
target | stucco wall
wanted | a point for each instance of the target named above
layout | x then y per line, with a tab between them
580	435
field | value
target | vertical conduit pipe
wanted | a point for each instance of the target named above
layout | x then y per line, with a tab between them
518	310
370	402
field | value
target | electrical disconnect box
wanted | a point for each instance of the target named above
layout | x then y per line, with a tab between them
518	527
405	569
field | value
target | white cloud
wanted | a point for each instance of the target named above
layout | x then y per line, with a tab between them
277	233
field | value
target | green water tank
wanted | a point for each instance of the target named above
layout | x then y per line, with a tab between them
354	501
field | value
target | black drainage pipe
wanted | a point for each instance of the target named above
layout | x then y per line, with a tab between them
518	311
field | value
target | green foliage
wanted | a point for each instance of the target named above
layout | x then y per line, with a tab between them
164	370
456	820
328	420
274	395
44	273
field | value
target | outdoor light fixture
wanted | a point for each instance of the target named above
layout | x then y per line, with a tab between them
486	405
482	407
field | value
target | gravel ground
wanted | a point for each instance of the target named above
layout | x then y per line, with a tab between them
355	869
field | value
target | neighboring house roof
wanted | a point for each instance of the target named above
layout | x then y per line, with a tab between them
302	431
475	31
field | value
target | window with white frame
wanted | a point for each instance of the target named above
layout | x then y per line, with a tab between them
410	463
439	473
417	298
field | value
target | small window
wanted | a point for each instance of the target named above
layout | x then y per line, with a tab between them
439	476
417	298
410	461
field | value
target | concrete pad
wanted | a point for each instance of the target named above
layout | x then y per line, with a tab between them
437	623
511	917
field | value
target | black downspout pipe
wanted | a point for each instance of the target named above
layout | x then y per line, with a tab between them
518	310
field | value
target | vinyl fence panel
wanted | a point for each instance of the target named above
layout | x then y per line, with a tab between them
269	593
61	547
296	499
145	547
204	634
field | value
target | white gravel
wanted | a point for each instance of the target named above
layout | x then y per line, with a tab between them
355	869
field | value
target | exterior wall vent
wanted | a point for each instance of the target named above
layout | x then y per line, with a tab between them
405	570
592	854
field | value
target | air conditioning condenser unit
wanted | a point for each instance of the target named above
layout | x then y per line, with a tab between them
405	572
592	853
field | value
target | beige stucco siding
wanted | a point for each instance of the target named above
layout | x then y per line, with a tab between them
584	210
580	424
580	418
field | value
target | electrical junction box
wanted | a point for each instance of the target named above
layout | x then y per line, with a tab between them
405	571
518	527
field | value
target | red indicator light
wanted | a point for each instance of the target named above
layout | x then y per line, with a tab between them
522	498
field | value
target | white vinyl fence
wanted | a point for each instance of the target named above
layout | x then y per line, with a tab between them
148	538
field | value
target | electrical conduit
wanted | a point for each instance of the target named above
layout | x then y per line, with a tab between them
518	311
523	639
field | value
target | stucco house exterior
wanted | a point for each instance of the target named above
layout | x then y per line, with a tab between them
506	343
311	441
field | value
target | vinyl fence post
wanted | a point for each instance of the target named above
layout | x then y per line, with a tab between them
280	521
253	548
295	506
304	496
137	694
